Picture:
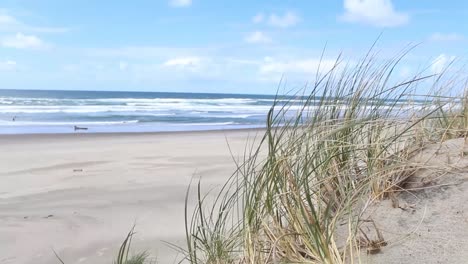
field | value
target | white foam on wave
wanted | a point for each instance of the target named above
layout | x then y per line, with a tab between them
208	124
114	111
179	100
243	116
238	111
59	123
111	123
160	108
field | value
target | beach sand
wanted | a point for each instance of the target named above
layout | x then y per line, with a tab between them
80	194
429	222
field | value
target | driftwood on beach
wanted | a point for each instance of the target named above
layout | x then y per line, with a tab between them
80	128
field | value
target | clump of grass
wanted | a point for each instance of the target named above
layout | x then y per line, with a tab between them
300	194
450	121
123	257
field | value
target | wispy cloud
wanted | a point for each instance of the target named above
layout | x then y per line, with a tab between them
378	13
190	63
258	18
286	20
440	63
123	65
153	53
212	63
257	37
446	37
9	23
308	66
22	41
7	65
180	3
405	71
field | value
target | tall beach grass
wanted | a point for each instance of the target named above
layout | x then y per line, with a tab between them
300	192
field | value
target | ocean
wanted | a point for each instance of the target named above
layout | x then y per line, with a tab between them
34	111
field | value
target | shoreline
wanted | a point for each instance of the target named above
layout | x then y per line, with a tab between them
154	133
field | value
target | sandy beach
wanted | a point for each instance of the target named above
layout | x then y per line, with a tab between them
80	194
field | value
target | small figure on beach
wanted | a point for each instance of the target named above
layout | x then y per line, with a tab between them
13	119
80	128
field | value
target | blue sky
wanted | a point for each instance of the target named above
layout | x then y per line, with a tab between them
214	46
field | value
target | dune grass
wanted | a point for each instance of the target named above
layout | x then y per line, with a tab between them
124	256
300	193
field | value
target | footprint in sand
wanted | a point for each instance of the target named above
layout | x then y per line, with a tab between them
101	252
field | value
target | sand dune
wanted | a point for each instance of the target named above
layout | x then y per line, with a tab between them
429	224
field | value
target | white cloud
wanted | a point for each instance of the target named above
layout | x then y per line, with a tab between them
123	65
21	41
257	37
289	19
7	65
440	63
379	13
180	3
258	18
143	52
191	63
304	66
445	37
71	68
199	67
8	23
405	71
240	61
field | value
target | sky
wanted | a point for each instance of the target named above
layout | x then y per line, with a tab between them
216	46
